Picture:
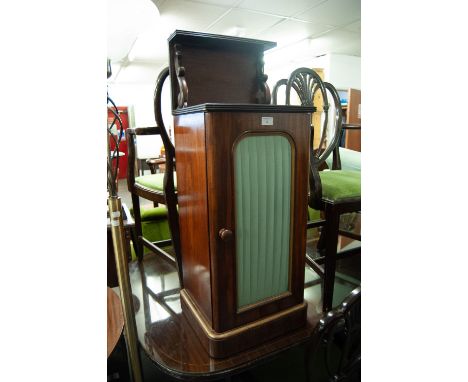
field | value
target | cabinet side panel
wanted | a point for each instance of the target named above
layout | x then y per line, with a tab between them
193	208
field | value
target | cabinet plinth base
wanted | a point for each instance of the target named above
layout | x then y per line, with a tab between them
221	345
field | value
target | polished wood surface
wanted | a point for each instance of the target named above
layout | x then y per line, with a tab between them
115	320
193	208
223	130
205	142
216	68
169	340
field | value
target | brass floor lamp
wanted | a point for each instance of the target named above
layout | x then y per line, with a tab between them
118	237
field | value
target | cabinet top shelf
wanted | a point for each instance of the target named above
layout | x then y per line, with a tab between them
218	41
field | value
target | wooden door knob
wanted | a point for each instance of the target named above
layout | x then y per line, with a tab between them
225	234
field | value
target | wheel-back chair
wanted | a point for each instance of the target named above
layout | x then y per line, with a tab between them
158	188
334	192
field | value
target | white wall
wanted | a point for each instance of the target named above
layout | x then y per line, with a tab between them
344	71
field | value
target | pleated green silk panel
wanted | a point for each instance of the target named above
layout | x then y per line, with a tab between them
263	216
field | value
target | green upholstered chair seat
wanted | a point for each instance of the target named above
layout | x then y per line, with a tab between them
156	213
155	226
350	159
153	181
340	184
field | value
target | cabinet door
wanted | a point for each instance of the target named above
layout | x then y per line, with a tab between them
257	197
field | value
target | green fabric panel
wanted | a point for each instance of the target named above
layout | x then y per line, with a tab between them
262	181
154	181
340	184
350	160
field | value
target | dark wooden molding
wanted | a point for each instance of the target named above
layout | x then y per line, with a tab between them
210	68
254	108
263	93
208	39
180	73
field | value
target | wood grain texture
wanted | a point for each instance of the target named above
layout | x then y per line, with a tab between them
215	68
193	208
115	320
222	345
223	129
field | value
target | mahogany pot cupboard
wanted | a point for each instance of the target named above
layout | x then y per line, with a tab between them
242	170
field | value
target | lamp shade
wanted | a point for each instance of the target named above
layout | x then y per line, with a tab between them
126	19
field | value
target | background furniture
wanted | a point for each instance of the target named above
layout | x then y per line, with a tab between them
333	192
352	120
159	188
156	164
115	320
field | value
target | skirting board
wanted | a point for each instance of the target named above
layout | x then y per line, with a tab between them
225	344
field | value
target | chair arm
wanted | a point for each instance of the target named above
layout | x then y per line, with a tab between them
154	130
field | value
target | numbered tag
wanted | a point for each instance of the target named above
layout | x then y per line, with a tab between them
267	121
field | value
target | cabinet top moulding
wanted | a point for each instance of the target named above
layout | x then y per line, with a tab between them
217	40
244	107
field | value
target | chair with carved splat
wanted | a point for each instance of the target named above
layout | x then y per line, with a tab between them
334	192
158	188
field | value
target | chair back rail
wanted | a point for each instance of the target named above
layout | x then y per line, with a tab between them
274	99
306	83
168	183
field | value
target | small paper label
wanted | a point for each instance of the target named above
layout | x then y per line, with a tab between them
267	121
115	214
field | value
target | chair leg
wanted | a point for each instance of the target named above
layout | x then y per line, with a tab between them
134	238
331	242
173	217
322	237
138	230
322	240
